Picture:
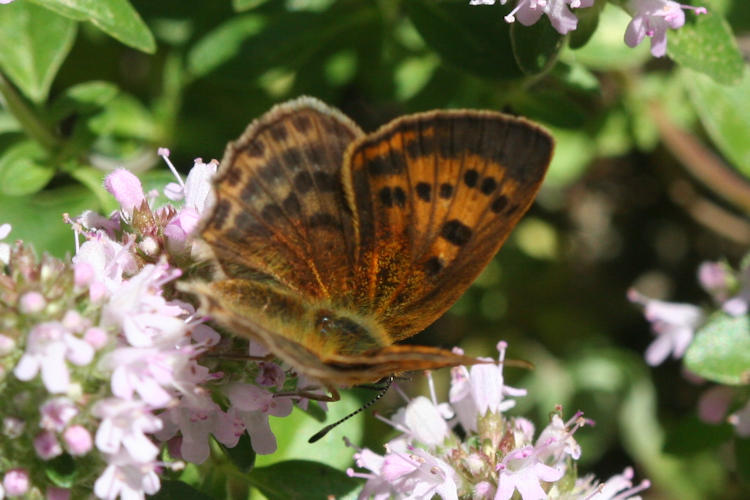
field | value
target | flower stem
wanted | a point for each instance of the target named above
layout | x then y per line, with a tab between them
28	119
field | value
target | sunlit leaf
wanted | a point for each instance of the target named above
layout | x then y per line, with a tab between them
117	18
724	111
23	169
33	44
706	44
720	350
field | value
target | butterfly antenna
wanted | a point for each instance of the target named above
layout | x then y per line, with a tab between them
322	432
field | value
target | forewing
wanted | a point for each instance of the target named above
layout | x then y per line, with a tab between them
279	208
434	196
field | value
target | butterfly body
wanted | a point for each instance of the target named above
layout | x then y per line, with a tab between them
332	245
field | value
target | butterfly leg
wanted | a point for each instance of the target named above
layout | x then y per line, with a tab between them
327	398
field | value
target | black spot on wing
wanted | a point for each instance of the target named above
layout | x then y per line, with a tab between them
446	190
256	148
433	266
220	213
424	191
303	182
499	204
456	232
471	177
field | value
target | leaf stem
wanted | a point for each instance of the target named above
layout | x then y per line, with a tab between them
28	119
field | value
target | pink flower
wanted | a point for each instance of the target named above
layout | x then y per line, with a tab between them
523	470
481	389
47	347
16	482
197	193
270	375
145	371
652	18
124	478
54	493
77	440
556	440
138	307
618	487
126	188
102	264
123	426
675	324
424	422
56	413
46	445
529	12
197	418
563	20
253	406
419	474
31	303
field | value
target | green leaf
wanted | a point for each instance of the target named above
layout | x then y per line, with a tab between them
707	45
474	38
37	219
178	490
124	116
310	480
721	350
742	457
83	98
293	431
117	18
692	435
223	43
22	170
588	20
33	44
93	179
240	5
242	455
724	112
8	123
535	47
62	471
412	74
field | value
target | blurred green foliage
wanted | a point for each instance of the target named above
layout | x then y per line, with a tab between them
650	177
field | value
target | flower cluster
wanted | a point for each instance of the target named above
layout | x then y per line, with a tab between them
101	359
651	18
675	326
470	448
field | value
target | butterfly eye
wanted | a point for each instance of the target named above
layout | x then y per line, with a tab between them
324	322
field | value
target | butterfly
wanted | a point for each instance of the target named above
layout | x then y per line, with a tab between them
331	245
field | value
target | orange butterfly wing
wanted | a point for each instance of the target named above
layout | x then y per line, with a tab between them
434	197
279	210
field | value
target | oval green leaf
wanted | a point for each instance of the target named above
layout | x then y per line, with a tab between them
724	112
706	44
535	47
37	219
311	480
473	38
117	18
721	350
22	170
29	54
